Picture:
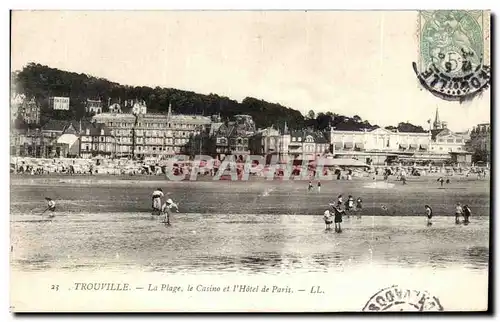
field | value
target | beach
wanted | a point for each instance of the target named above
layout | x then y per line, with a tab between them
247	232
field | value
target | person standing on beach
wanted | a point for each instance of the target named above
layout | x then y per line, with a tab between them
441	180
338	219
349	205
319	186
428	213
310	186
359	206
458	213
467	213
167	210
156	201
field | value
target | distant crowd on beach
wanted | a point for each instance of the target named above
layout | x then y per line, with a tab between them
36	166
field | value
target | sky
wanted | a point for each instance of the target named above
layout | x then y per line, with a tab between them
351	63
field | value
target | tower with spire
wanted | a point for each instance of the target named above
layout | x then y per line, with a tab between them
437	125
169	113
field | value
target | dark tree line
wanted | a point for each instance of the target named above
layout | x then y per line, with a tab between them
41	82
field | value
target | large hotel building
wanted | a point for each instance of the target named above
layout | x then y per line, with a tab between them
150	134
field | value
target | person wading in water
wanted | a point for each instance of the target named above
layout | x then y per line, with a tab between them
467	213
458	213
327	216
428	213
51	206
167	210
156	202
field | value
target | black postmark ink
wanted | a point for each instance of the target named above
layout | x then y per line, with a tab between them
395	298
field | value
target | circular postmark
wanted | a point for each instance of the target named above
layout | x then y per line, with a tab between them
395	298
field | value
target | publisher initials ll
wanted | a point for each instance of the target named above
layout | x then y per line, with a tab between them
316	290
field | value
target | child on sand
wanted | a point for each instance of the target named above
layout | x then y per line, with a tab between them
458	213
359	206
428	213
167	209
51	206
350	203
338	219
467	213
327	216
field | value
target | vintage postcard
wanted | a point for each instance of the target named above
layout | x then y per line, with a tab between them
250	161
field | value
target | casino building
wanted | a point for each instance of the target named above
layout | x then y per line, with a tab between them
382	146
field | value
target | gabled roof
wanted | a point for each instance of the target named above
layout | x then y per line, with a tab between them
55	125
214	128
96	128
380	130
68	139
223	130
76	126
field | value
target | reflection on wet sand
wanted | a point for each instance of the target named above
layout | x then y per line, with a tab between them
252	243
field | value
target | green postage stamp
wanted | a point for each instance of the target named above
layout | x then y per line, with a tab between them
454	53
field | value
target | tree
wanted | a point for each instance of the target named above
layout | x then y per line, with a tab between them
323	121
408	127
42	82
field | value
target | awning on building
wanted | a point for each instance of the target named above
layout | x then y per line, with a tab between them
68	139
424	147
337	145
340	162
348	145
360	146
403	146
413	146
